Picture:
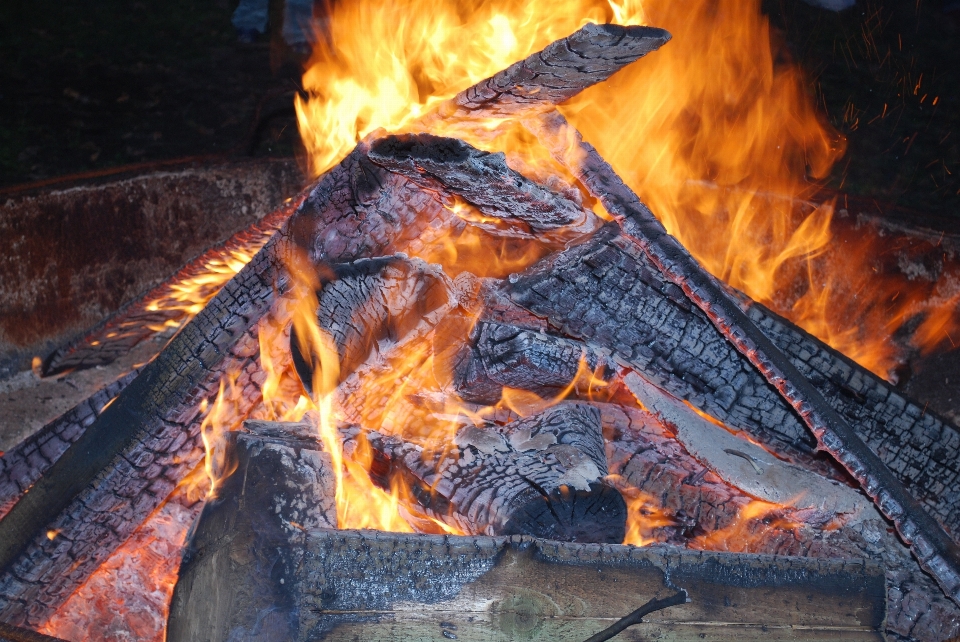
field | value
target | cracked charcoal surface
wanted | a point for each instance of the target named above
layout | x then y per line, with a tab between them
557	73
370	306
481	178
507	355
606	293
24	464
541	476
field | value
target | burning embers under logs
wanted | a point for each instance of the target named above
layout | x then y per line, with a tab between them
591	384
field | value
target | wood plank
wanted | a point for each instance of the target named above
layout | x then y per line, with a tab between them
530	589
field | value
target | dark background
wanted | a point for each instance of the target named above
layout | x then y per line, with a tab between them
87	86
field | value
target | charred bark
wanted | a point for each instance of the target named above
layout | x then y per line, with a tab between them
238	576
937	552
541	476
482	179
557	73
22	466
369	306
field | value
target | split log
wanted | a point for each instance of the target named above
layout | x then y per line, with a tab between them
16	634
238	577
484	180
390	586
371	305
937	552
542	476
549	77
22	466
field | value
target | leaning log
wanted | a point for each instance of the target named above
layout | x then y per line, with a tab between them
933	546
96	483
541	476
549	77
27	462
237	578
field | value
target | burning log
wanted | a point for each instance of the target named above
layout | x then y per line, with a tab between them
541	476
549	77
937	552
507	355
371	305
484	180
239	571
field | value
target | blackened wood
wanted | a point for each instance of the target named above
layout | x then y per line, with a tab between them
238	577
362	585
542	476
24	464
482	179
936	551
507	355
682	502
371	304
557	73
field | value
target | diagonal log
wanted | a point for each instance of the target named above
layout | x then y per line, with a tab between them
549	77
27	462
541	475
937	552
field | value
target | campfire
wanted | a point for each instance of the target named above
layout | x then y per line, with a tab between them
469	358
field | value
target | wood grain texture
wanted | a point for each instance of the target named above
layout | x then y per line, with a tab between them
251	538
384	586
549	77
542	475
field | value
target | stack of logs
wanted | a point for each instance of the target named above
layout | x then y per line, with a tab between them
672	355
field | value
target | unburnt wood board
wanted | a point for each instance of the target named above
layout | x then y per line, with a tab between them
367	585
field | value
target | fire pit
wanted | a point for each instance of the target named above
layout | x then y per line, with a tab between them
508	359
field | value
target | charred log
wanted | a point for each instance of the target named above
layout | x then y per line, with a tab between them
482	179
937	552
370	305
557	73
22	466
238	577
132	484
506	355
683	502
930	542
140	319
540	476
